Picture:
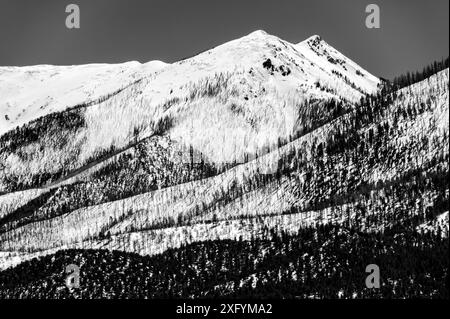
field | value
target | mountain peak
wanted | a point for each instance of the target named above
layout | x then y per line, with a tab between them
314	37
320	52
258	33
313	41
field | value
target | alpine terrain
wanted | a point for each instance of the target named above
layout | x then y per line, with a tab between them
258	168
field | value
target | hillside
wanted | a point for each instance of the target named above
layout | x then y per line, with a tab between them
253	139
305	265
34	91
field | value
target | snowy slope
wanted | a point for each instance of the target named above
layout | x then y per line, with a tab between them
33	91
247	55
253	101
201	203
30	92
226	103
330	60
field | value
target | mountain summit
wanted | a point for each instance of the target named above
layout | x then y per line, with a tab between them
228	102
34	91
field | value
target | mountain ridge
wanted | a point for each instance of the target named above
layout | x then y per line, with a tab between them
131	70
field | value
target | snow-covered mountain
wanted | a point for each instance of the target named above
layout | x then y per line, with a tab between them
30	92
255	135
333	62
34	91
251	89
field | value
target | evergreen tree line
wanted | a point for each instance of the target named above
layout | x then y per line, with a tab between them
410	78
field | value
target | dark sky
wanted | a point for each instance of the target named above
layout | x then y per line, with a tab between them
413	32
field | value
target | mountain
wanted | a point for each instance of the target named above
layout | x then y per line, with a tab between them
257	140
332	61
34	91
227	103
31	92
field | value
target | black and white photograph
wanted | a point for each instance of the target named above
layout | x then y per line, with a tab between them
224	150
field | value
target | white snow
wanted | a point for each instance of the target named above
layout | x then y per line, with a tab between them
322	54
27	93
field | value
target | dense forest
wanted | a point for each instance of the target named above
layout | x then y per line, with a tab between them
410	78
318	262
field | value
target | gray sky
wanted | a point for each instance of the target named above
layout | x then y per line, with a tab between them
413	32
